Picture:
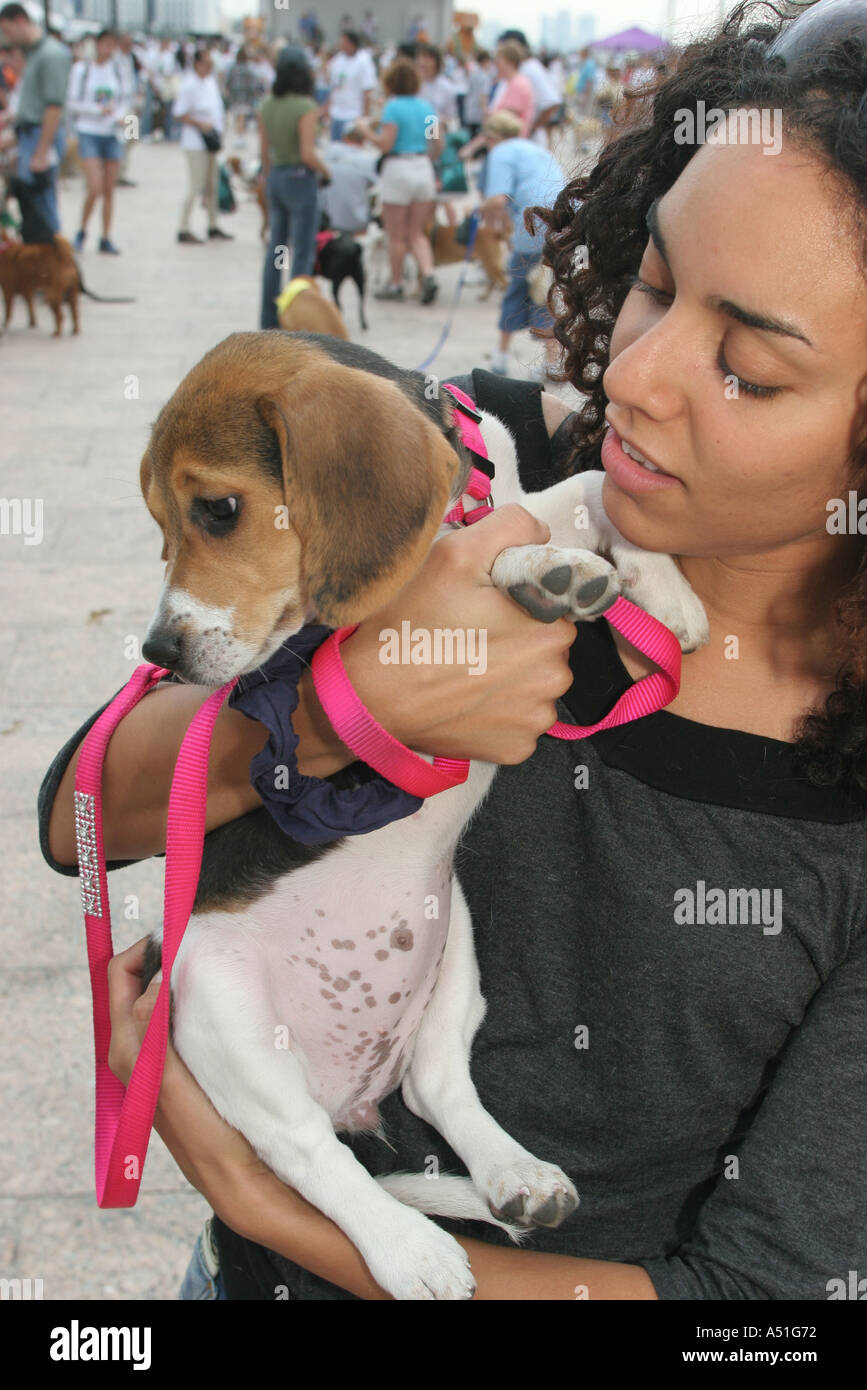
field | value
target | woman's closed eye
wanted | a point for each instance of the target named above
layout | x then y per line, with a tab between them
750	388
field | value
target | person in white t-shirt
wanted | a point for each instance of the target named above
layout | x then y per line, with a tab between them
96	98
435	87
133	104
199	108
352	78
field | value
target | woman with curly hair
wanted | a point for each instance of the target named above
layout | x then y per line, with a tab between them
670	917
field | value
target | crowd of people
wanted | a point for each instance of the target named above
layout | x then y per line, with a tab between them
324	131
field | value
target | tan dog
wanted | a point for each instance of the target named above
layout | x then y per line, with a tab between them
489	249
303	308
48	269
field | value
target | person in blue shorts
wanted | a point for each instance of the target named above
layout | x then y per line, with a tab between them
519	174
97	105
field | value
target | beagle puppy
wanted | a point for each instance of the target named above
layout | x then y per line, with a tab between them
332	948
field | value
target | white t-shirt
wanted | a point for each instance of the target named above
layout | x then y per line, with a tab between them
545	93
198	97
96	97
350	77
442	95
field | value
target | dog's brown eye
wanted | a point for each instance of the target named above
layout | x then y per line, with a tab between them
216	514
222	508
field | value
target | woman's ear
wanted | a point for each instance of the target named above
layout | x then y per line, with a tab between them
367	479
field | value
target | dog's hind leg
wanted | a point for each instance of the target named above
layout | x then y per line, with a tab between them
438	1088
227	1026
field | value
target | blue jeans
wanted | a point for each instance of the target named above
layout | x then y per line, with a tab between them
198	1283
46	198
293	207
517	310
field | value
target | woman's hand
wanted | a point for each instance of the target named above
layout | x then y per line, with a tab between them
497	713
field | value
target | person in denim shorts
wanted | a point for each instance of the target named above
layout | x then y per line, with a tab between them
96	101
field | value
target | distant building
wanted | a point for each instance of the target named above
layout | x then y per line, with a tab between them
585	29
156	16
395	19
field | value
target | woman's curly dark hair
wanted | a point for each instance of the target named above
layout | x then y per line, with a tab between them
824	106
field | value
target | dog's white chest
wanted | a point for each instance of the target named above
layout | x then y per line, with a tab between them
349	948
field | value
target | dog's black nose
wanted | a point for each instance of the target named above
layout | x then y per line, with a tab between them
163	648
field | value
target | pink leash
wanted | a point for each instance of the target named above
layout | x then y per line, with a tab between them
125	1115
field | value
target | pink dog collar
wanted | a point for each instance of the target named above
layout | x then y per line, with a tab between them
479	484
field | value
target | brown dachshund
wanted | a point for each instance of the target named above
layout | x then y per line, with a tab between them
48	269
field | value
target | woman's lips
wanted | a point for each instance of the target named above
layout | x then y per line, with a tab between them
628	474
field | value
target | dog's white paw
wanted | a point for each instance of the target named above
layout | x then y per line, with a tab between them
414	1259
654	583
551	582
527	1192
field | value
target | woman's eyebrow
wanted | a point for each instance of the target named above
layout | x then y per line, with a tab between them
726	306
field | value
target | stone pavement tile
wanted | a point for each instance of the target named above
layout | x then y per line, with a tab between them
81	1252
71	598
48	1082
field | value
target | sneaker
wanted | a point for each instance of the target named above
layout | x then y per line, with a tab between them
499	363
189	240
429	290
127	183
390	292
107	247
79	241
217	234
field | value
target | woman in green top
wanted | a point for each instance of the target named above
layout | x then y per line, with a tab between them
290	164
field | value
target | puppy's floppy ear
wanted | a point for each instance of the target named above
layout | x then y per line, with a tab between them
146	475
367	479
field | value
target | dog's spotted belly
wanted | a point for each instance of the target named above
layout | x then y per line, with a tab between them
353	977
349	952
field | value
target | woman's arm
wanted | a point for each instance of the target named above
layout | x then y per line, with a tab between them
497	717
247	1196
264	151
383	139
307	143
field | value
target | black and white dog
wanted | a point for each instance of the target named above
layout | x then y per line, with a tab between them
313	982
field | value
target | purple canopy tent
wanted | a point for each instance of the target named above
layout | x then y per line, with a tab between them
633	40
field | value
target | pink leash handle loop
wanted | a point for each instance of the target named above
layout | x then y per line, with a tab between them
649	694
124	1115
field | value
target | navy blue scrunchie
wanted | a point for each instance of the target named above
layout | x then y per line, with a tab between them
311	810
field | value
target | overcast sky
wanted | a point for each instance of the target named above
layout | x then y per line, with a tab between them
688	16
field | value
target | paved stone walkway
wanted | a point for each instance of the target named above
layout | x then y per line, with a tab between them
76	413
